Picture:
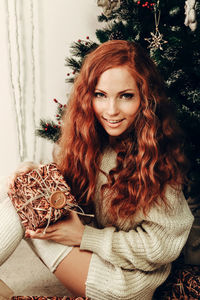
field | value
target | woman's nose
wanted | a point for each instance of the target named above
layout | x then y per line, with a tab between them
112	107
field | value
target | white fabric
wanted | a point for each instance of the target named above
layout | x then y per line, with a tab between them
11	231
49	252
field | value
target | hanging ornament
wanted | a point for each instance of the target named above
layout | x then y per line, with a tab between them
190	15
156	40
109	6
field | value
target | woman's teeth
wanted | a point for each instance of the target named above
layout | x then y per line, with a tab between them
114	121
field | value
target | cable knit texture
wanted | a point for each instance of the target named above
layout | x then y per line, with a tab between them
11	231
131	262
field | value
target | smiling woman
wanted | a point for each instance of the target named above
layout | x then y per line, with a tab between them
121	153
116	100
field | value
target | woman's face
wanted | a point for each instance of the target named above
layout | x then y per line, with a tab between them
116	100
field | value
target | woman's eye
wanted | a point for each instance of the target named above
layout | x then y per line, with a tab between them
99	95
127	96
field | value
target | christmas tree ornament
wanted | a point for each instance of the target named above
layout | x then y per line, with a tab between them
108	6
190	14
156	40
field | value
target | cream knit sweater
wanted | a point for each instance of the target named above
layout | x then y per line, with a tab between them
130	263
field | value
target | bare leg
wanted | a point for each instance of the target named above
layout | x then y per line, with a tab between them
73	271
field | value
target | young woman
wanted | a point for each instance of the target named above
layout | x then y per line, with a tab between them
121	153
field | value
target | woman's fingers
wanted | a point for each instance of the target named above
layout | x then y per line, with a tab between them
50	229
33	234
38	235
42	233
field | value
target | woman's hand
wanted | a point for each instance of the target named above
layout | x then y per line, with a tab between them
67	232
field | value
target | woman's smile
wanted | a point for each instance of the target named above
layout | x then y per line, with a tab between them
113	123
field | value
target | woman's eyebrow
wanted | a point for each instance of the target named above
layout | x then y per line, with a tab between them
127	90
99	90
120	92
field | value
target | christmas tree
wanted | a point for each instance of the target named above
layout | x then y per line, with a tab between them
170	32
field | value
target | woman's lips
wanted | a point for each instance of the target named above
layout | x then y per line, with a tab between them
113	123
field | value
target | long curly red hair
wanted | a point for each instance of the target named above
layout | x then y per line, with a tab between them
148	159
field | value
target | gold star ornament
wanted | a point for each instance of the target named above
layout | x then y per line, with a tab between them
156	40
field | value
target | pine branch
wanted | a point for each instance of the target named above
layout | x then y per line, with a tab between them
49	130
82	48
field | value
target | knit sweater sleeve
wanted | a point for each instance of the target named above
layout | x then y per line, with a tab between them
156	241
